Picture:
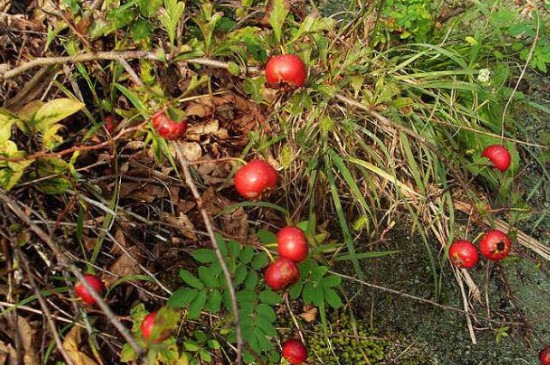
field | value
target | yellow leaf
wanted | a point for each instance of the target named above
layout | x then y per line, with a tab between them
54	111
71	343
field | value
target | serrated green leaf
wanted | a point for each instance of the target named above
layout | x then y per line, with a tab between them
213	344
277	18
317	273
234	248
307	293
214	302
204	255
246	255
197	306
331	281
191	346
266	326
332	298
251	280
240	274
296	290
206	277
266	237
191	280
270	297
182	297
266	311
317	296
205	356
260	261
233	68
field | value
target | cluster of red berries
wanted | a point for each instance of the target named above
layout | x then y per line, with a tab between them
253	181
97	285
495	245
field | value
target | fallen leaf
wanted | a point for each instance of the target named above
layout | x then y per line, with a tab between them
309	315
7	352
71	343
26	334
183	223
126	265
204	128
198	110
191	150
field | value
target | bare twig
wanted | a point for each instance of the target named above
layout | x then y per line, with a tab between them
210	229
423	300
44	306
112	56
64	262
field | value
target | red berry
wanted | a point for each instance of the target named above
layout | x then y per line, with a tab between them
294	352
499	156
463	254
281	273
287	69
168	128
111	123
495	245
292	244
255	179
147	328
544	356
84	294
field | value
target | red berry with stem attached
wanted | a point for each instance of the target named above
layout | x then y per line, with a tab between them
463	254
294	352
168	128
255	179
111	123
147	327
281	273
292	244
544	356
499	156
495	245
286	69
83	293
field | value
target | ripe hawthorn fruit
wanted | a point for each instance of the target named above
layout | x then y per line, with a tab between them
281	273
292	244
499	156
83	293
286	69
495	245
463	254
147	327
544	356
168	128
294	351
256	179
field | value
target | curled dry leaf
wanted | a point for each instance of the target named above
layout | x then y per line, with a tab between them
236	223
7	353
199	110
71	344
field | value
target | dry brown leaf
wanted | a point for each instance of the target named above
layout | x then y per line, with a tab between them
124	266
183	223
198	110
120	238
204	128
26	334
71	345
89	242
138	191
309	315
191	150
7	352
236	223
185	206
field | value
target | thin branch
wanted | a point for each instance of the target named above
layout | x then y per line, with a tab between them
112	56
64	262
422	300
44	306
210	229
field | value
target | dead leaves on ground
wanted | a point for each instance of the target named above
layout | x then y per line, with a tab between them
71	344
